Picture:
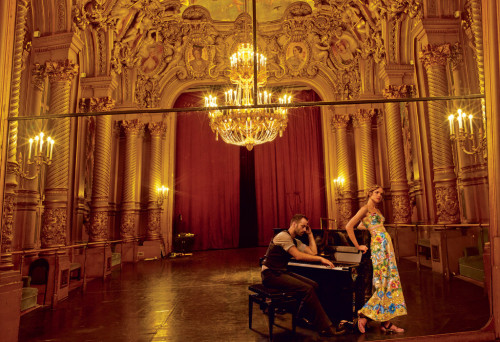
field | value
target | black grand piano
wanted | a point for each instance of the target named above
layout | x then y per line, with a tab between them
344	289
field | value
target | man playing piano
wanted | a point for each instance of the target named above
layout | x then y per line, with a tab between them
275	275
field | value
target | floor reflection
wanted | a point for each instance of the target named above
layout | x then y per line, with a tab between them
204	297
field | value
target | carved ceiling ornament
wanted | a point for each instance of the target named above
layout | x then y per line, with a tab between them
157	40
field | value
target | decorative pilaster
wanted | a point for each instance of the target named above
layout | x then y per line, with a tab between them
101	176
434	59
157	131
132	129
55	215
344	169
395	144
12	166
364	119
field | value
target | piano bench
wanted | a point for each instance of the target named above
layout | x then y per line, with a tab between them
272	300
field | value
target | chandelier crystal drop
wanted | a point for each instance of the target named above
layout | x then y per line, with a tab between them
247	126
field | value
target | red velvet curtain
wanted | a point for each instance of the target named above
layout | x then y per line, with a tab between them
289	172
207	182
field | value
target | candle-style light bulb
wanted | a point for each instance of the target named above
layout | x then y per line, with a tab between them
470	122
450	119
31	144
37	138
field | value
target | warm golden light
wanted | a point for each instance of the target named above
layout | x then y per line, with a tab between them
338	184
162	194
247	126
465	137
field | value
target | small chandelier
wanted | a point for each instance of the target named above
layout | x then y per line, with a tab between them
247	126
471	141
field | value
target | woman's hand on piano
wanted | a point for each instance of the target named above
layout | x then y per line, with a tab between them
326	262
363	248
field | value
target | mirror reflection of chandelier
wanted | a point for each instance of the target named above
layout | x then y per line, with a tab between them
247	126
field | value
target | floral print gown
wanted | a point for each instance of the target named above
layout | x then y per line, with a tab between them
387	301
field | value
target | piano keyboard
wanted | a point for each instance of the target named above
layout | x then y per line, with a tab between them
320	266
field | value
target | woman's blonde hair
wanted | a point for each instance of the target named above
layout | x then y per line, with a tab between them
371	189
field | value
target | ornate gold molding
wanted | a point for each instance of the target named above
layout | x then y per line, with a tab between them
38	76
98	226
154	219
398	91
132	127
157	128
447	203
97	104
434	54
54	222
61	71
127	226
365	116
340	121
401	208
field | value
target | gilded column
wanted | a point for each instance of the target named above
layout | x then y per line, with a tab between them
132	129
344	169
157	131
12	166
397	162
99	212
55	215
364	119
434	59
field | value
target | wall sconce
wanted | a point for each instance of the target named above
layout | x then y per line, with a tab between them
338	185
469	140
162	194
39	153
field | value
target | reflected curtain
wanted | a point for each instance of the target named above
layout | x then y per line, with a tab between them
207	181
289	172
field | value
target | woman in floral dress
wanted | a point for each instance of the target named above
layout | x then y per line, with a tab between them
387	300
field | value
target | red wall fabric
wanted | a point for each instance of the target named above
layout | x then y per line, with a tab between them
289	172
207	181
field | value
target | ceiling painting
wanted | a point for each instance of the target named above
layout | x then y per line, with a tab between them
228	10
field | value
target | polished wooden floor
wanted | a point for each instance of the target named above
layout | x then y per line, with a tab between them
204	297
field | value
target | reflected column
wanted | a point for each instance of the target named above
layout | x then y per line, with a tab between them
397	164
157	131
364	120
344	169
99	211
129	212
55	215
434	59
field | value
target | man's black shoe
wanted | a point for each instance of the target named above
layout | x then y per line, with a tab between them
330	331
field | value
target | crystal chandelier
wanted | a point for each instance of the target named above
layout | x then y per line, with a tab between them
247	126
